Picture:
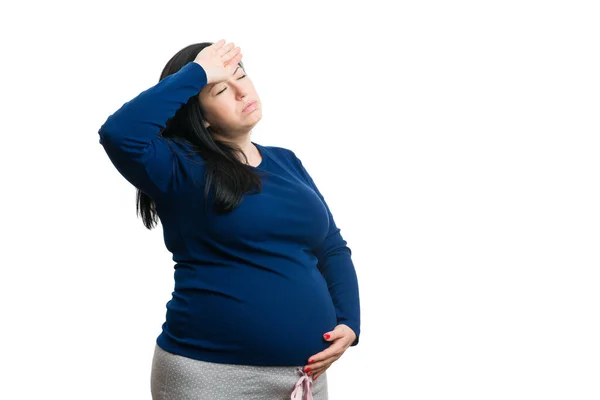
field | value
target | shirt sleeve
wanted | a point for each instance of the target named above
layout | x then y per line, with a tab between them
130	135
336	266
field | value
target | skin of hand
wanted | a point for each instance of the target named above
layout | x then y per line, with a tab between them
219	60
341	337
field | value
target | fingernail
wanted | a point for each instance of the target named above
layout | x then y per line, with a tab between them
307	369
326	336
311	361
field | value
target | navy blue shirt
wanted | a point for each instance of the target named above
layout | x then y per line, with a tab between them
257	286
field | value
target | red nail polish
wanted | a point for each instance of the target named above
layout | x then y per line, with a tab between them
307	369
311	361
326	336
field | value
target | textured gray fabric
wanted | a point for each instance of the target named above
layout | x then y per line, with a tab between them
175	377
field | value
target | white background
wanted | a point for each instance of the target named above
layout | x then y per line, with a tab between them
455	142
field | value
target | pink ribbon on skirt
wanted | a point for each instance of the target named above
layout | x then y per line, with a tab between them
303	387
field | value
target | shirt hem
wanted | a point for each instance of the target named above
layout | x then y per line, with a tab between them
166	343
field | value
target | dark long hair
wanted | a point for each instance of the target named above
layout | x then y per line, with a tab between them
227	177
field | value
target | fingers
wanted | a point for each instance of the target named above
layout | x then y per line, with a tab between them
225	49
230	55
318	366
316	371
217	45
315	376
233	62
335	349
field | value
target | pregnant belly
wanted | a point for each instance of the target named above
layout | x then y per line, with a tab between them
272	318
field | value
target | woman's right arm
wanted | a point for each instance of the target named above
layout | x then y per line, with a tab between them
130	135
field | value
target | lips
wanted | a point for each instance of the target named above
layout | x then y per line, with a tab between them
250	104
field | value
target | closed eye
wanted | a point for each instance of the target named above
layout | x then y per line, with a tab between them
243	76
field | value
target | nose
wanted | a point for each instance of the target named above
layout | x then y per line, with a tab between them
240	91
241	94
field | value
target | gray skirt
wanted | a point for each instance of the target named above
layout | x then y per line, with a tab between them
175	377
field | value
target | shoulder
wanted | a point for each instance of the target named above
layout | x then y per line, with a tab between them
278	150
279	153
282	153
288	157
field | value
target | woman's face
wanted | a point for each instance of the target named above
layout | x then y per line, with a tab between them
223	104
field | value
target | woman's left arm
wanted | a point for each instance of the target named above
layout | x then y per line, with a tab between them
335	264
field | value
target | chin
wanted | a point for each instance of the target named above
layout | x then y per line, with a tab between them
255	115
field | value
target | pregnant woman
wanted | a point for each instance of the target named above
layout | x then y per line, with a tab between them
266	295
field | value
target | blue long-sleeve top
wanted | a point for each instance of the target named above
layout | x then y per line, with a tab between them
257	286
